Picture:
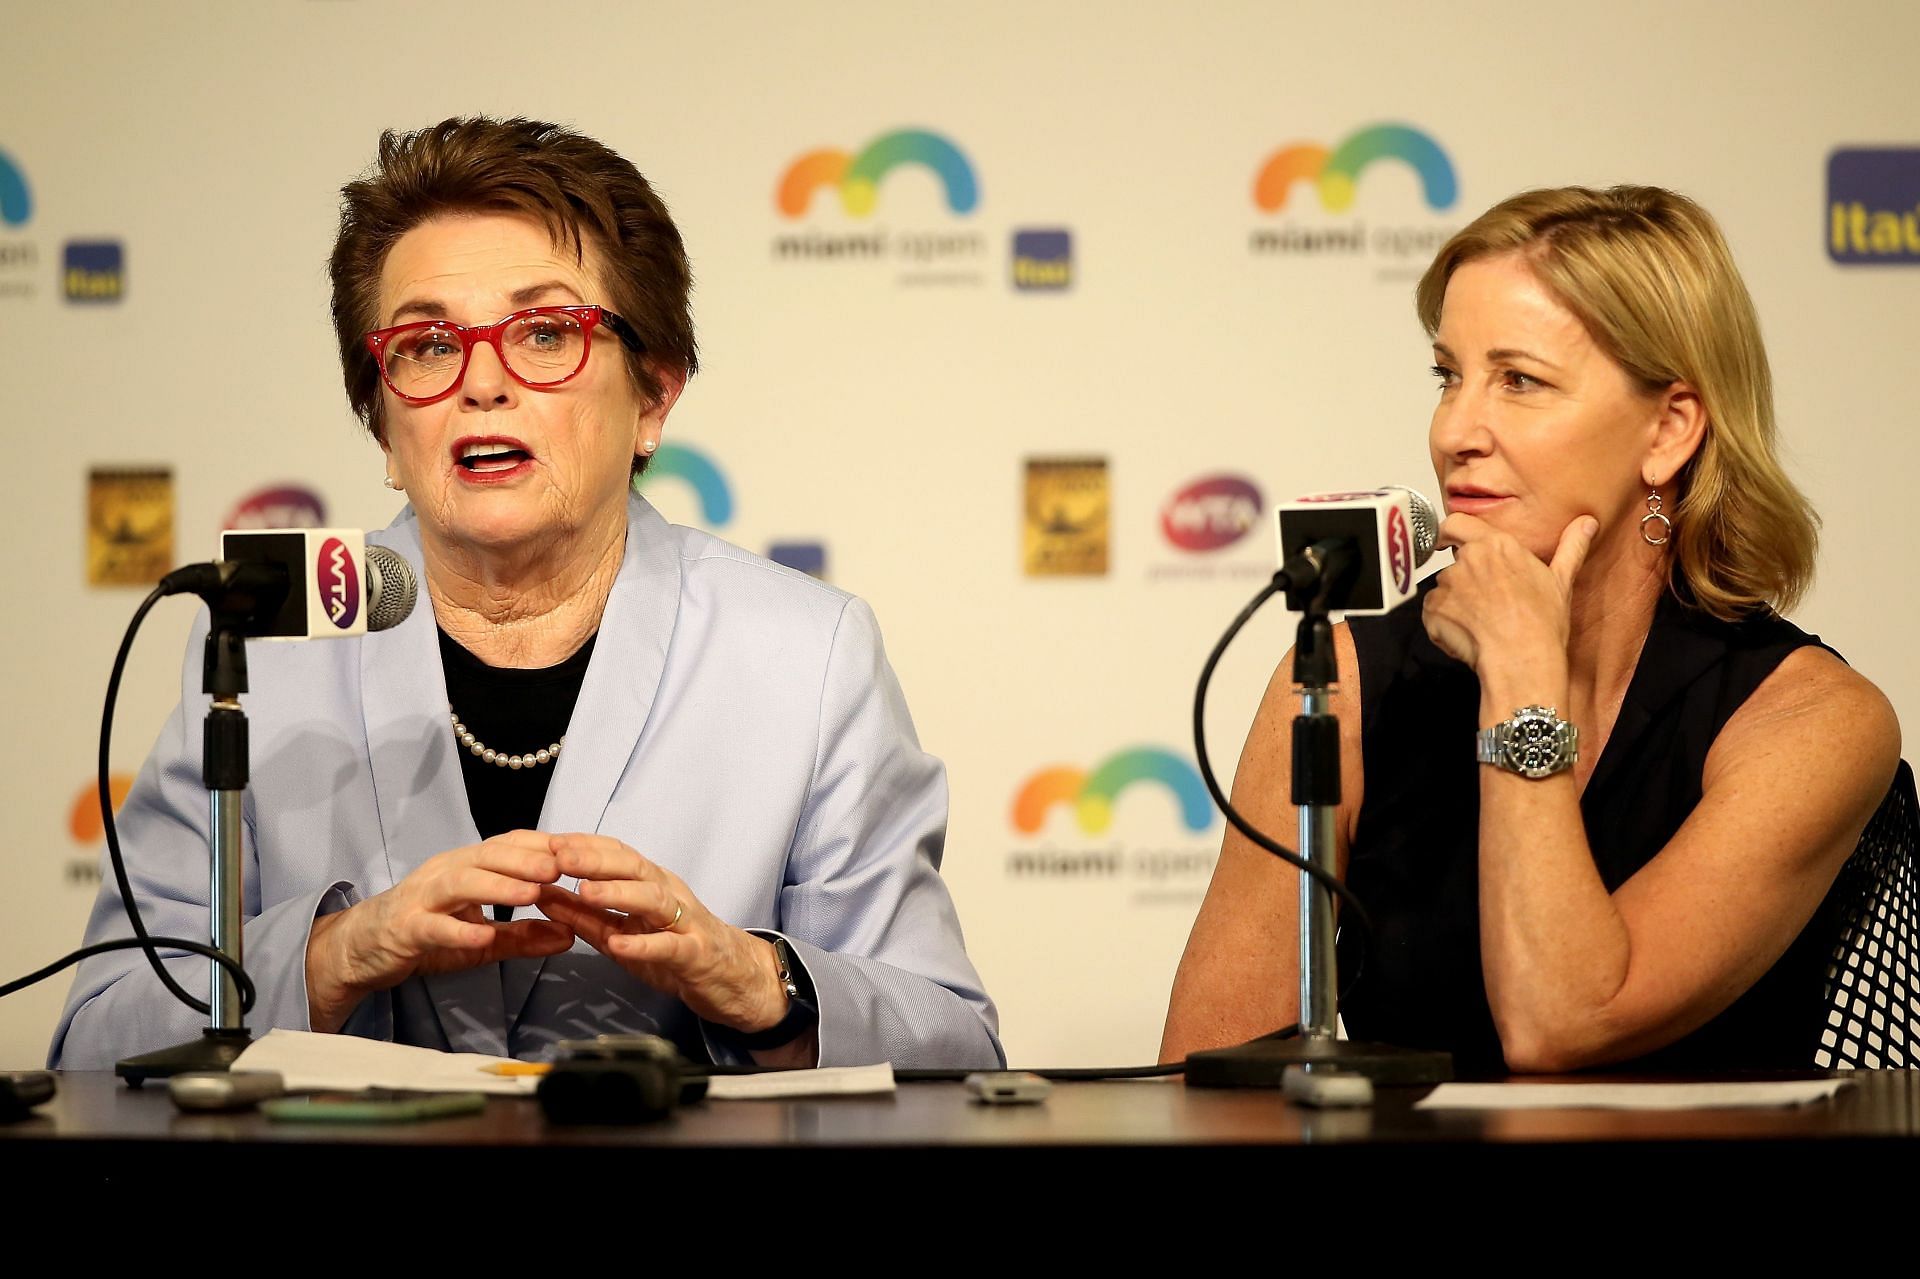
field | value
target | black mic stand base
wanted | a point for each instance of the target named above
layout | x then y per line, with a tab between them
1263	1062
214	1050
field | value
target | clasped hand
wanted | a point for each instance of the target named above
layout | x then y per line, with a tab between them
638	914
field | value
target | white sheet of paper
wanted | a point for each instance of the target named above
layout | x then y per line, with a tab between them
827	1081
1692	1096
348	1063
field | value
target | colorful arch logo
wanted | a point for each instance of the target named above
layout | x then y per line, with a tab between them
83	815
16	202
1336	173
698	471
1093	794
858	176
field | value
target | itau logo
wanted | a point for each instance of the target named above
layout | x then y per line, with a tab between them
698	472
93	271
932	248
1873	206
1333	175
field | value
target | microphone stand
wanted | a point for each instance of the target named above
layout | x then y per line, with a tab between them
224	768
1262	1063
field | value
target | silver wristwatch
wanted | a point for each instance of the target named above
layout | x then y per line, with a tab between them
1535	743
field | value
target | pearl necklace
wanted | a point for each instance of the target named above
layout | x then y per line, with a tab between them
532	759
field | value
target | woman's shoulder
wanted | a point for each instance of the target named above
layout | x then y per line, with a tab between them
1813	688
1815	708
718	563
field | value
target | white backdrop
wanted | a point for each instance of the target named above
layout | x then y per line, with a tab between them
886	408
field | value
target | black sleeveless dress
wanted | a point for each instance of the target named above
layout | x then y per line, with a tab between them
1414	861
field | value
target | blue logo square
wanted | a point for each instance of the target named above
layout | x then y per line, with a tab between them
1043	260
806	557
94	271
1873	206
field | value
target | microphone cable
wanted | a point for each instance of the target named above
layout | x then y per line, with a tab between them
140	939
1326	879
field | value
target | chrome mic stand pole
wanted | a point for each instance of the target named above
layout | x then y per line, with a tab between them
1316	791
224	768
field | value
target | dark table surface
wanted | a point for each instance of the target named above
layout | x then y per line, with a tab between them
1189	1144
93	1107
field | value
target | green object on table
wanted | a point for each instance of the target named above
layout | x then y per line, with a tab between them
372	1108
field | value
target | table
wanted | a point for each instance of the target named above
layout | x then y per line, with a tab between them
97	1132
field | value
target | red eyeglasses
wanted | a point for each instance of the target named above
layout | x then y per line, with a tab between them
542	347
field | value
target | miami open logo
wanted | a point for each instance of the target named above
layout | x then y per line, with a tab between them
929	252
19	259
1152	869
16	201
1333	175
857	177
689	466
1093	794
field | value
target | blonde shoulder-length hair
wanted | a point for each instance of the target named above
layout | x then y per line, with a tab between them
1648	273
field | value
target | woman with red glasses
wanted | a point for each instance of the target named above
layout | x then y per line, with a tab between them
621	777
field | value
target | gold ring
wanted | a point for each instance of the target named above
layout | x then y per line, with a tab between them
678	910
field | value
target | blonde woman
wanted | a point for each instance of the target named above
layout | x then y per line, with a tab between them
1597	785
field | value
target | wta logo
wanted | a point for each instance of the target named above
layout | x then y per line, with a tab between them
284	506
1399	549
1092	795
339	581
1335	171
1211	513
857	177
16	201
699	472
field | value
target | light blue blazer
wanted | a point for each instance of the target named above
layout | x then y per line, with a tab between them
739	724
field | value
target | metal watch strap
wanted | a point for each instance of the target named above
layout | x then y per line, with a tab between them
803	1014
1494	745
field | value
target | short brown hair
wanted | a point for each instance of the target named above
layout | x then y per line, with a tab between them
576	187
1648	273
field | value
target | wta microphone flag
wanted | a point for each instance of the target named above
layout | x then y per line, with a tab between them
1391	529
337	586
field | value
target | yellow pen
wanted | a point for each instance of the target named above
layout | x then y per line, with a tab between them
518	1068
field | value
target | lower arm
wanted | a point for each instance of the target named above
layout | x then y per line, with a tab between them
330	999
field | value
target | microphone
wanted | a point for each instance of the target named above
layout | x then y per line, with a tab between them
317	583
1372	539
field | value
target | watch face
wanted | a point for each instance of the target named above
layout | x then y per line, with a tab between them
1533	745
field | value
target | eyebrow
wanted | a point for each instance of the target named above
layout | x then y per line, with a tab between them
1500	355
432	309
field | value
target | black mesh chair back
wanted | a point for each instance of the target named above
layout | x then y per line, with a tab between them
1871	1005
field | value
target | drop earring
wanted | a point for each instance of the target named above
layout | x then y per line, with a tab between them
1654	512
